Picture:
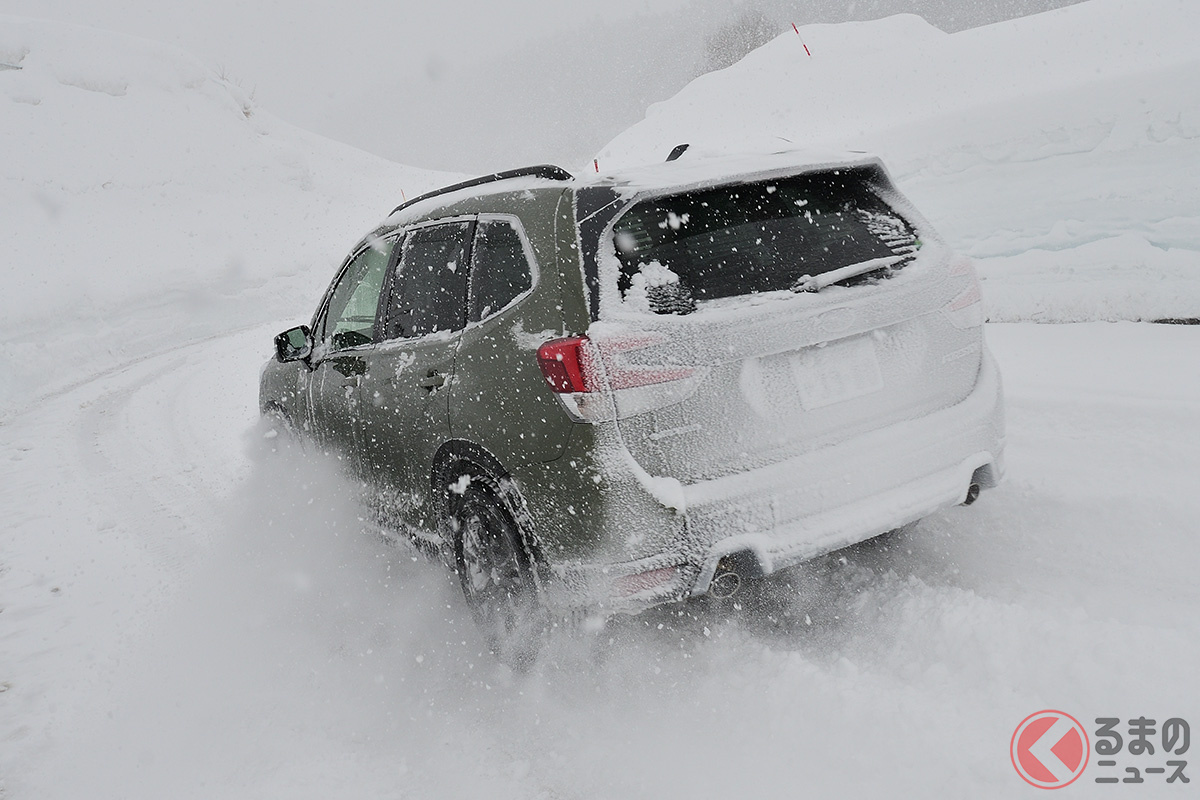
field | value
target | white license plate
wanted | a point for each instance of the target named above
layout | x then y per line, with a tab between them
836	372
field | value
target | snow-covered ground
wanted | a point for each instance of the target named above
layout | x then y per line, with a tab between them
186	613
186	616
1058	149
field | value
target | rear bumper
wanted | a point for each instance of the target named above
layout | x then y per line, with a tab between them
798	509
849	492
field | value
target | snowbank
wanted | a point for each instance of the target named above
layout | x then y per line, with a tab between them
1059	149
145	202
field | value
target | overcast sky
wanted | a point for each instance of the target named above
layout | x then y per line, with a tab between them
297	54
467	85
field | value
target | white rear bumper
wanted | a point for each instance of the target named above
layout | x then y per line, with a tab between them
848	492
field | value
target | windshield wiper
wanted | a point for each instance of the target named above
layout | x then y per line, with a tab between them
815	283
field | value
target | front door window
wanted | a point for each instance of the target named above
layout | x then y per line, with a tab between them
350	319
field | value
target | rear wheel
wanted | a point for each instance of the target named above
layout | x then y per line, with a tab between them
496	576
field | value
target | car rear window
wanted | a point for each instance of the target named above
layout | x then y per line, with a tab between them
746	238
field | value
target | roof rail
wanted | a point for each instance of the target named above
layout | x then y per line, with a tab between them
547	171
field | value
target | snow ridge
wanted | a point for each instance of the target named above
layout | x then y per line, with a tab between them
146	201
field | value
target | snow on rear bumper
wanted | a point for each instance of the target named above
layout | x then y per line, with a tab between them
801	508
830	498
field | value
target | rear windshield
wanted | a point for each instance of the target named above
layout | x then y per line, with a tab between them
755	237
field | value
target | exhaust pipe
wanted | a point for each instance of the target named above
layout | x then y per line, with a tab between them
733	573
725	582
972	494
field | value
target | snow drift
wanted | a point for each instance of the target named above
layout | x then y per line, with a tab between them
134	178
1058	149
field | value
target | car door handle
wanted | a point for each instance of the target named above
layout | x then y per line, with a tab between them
433	380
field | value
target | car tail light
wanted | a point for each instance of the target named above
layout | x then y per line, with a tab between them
960	266
562	364
622	375
579	369
965	310
629	585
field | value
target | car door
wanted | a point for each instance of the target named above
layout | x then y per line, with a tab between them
345	335
499	399
406	384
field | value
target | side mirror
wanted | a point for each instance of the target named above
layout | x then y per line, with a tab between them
294	344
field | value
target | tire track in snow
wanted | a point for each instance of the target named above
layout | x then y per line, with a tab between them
110	494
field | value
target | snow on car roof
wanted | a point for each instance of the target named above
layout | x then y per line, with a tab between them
692	170
700	169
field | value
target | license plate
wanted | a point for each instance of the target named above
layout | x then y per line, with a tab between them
836	372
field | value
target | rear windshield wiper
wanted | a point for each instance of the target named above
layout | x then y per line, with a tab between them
815	283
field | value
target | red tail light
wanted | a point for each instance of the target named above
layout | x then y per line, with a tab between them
562	363
566	364
627	585
576	369
624	376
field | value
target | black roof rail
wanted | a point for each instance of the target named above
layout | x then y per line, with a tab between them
547	171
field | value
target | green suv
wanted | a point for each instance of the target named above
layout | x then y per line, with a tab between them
610	392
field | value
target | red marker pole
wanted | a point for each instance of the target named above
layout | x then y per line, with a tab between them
596	164
802	44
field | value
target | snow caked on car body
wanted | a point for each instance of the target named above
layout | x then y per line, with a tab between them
616	391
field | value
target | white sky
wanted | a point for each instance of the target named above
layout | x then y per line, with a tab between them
297	54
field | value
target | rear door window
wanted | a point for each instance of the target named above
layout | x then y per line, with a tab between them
500	269
429	287
753	237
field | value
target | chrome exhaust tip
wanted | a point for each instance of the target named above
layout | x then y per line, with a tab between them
733	573
725	583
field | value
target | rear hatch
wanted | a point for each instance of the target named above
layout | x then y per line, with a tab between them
743	324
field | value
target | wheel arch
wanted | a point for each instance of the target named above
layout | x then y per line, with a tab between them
458	457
